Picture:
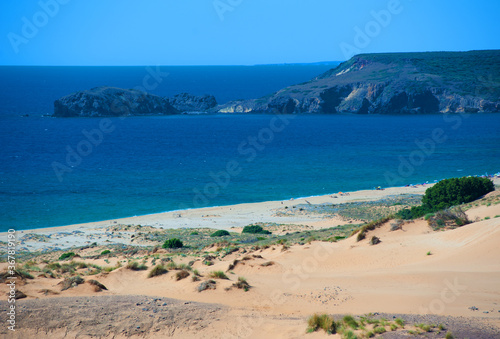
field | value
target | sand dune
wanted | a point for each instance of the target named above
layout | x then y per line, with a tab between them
412	271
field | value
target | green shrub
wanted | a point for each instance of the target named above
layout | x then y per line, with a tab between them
53	266
447	193
173	243
67	255
220	233
242	283
379	330
68	268
184	267
23	274
254	229
456	191
351	322
218	275
157	270
181	275
195	233
48	272
105	252
449	336
135	266
323	321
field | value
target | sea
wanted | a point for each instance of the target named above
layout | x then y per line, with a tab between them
61	171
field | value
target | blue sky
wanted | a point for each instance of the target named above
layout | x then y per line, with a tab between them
236	32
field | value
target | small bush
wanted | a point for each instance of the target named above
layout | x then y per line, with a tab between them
220	233
379	330
23	274
397	225
351	322
242	284
48	272
172	265
400	322
267	263
375	240
218	275
429	253
449	218
195	233
181	275
449	336
184	267
173	243
207	285
157	270
254	229
135	266
105	252
67	255
323	321
98	286
53	266
67	268
71	282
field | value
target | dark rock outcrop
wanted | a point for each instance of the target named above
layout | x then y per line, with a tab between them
185	102
111	101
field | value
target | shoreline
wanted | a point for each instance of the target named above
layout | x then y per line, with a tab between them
229	217
236	205
426	184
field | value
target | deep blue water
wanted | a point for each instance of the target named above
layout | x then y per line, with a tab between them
154	164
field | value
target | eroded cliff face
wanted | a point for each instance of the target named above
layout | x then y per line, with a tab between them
392	83
365	98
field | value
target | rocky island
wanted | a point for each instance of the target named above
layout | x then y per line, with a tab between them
386	83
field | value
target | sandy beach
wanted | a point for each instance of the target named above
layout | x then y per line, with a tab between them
447	277
221	217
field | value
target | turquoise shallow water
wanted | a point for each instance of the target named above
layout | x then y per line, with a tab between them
155	164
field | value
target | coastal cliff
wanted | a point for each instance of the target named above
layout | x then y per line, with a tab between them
388	83
392	83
